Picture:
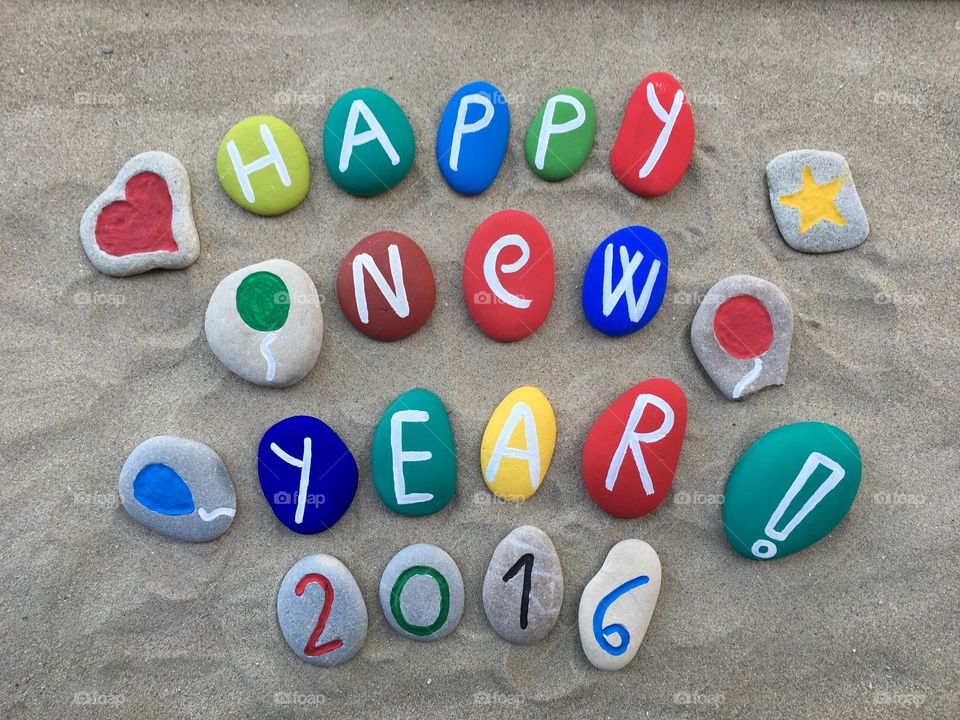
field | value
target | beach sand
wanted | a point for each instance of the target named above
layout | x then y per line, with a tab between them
104	618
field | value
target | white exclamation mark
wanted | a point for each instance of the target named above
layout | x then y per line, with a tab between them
765	549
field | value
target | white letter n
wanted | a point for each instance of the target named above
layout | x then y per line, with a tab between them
396	297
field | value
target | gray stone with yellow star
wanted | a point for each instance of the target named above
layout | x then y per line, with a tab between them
815	202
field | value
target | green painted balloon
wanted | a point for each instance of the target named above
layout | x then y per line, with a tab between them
263	301
436	476
790	489
373	166
561	153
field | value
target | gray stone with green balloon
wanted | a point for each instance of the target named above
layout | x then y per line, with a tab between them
264	322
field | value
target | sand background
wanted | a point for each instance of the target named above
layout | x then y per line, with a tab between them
96	607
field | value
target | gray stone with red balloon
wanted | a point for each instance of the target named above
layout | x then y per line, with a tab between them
741	334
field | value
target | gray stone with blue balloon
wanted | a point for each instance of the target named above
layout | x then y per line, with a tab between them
178	487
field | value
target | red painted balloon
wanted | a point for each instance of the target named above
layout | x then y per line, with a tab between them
649	419
140	223
743	327
379	312
508	275
655	142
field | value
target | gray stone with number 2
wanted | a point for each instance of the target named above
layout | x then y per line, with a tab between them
617	604
321	611
523	588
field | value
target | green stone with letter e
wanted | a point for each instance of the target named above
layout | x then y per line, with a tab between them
414	463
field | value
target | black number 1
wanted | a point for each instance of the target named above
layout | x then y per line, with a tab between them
526	562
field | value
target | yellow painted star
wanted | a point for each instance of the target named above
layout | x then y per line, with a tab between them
815	202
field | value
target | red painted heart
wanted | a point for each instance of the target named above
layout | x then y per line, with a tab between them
141	222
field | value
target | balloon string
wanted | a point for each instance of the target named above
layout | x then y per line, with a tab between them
748	378
268	356
209	515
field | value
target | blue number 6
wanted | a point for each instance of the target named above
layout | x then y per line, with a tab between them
602	633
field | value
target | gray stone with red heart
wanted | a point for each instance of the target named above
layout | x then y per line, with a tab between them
143	220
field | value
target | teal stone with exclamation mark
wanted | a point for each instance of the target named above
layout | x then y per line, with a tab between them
790	489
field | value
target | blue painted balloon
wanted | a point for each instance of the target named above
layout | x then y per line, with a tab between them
472	138
625	281
307	474
159	488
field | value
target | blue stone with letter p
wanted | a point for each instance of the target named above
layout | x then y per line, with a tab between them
472	137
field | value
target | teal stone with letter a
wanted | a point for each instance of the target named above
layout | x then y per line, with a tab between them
368	144
790	489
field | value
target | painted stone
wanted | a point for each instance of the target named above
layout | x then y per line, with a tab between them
518	444
631	453
143	220
307	474
421	593
741	334
413	455
508	275
472	137
561	135
617	604
814	201
321	611
655	142
625	281
790	489
386	287
264	323
179	488
263	165
523	587
368	143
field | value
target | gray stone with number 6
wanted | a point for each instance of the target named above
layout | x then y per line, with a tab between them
617	604
321	611
523	588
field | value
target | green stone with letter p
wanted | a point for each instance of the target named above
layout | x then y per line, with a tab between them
790	489
561	135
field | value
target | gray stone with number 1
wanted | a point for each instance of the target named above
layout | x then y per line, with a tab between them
523	588
321	611
617	604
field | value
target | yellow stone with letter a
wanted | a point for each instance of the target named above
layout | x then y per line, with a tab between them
518	444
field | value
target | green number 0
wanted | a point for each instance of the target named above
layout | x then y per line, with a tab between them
442	585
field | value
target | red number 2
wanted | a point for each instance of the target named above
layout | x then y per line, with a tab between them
311	649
